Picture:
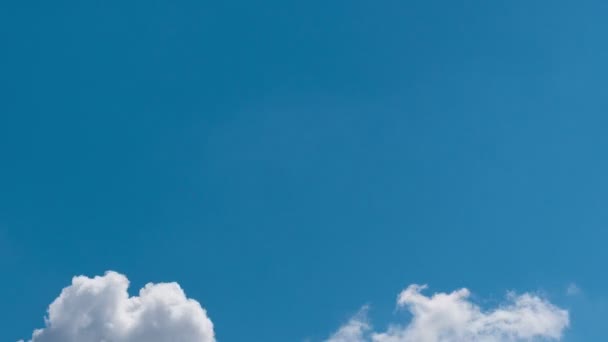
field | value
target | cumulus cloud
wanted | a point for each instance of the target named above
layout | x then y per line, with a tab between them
452	317
99	309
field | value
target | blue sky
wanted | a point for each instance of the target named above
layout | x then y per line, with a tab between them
289	162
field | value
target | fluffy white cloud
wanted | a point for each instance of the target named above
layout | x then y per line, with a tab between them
452	317
99	309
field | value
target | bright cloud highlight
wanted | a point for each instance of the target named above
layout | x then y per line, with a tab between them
452	317
99	309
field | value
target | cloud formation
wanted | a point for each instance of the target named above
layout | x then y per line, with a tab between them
99	309
452	317
353	331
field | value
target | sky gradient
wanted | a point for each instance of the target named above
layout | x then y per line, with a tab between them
289	162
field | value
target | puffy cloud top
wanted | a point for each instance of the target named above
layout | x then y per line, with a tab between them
99	309
452	317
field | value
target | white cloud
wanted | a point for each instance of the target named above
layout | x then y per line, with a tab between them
452	317
353	331
99	309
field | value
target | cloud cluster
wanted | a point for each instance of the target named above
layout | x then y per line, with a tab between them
99	309
452	317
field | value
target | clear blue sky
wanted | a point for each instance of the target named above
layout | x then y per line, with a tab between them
288	162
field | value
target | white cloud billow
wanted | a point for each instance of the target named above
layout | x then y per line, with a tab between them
99	309
452	317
